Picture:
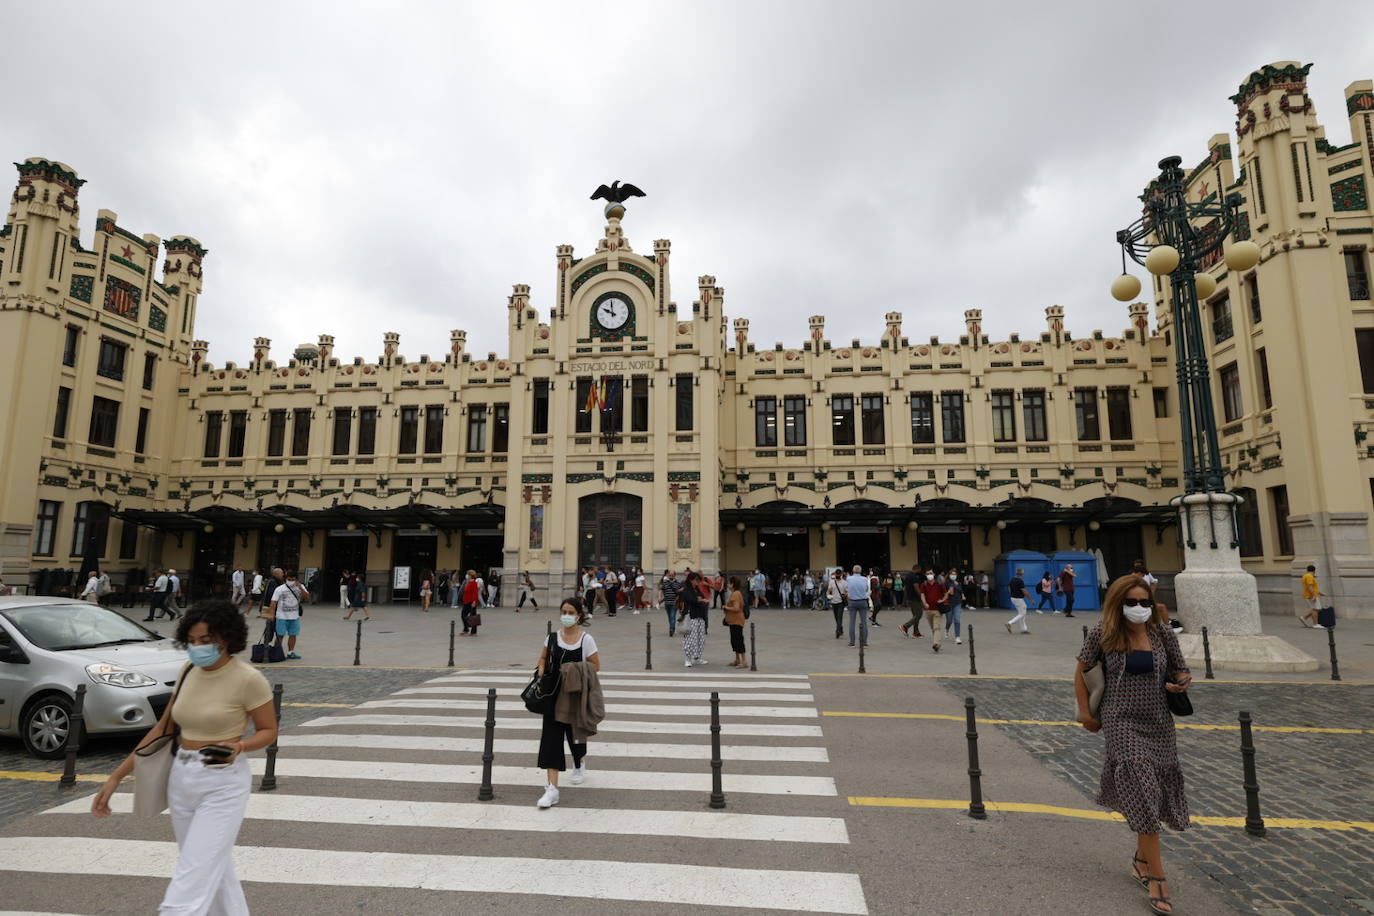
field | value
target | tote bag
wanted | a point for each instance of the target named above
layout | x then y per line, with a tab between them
153	764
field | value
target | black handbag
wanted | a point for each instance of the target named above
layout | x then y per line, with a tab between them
541	692
1179	704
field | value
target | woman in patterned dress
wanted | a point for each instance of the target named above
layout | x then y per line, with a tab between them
1141	777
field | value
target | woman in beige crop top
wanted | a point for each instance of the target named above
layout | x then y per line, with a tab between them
207	795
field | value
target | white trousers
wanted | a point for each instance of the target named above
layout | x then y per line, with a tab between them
207	806
1019	605
238	594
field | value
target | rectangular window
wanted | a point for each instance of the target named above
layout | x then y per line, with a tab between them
477	428
1364	346
582	395
1278	501
434	429
1222	329
149	370
842	419
276	433
128	541
922	417
1356	273
871	416
685	410
613	410
90	530
300	431
141	439
410	431
1033	414
639	404
1252	293
111	361
1248	524
952	416
238	432
1003	416
765	422
214	427
80	525
500	428
1085	412
1230	392
104	421
1119	413
794	420
1161	403
343	430
45	531
69	345
64	409
1262	364
539	408
367	430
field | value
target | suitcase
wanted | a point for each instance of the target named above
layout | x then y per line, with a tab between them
1327	617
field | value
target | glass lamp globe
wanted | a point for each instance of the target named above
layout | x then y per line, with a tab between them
1162	259
1125	288
1205	285
1242	255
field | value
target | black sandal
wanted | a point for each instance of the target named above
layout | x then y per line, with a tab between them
1156	901
1136	874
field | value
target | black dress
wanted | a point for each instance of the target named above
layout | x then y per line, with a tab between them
551	756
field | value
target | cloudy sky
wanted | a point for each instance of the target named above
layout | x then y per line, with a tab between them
356	168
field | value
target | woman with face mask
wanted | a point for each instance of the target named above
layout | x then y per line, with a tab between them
207	790
1141	777
572	644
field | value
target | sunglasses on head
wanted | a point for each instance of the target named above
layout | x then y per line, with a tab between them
1137	602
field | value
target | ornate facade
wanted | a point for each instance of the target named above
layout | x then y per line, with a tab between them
621	427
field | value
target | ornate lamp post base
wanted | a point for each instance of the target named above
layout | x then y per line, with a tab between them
1214	591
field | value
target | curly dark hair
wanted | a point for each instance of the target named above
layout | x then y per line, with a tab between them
225	621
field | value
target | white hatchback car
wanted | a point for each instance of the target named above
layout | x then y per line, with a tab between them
50	645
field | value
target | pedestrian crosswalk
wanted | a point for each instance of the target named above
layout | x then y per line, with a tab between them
382	796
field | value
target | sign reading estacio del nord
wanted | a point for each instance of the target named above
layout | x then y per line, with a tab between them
613	365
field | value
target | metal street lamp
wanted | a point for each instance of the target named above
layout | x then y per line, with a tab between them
1177	238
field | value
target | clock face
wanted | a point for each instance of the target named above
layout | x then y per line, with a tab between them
612	313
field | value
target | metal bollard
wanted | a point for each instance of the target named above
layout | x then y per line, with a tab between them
1254	824
76	726
862	670
975	775
972	659
358	645
452	624
717	794
648	646
548	628
753	649
269	774
1085	632
1207	655
1331	644
484	793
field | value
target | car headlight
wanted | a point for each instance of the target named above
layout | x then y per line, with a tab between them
118	676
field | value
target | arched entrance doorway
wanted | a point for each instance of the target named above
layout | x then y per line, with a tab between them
610	530
863	540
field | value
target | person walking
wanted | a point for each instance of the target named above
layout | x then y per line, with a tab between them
668	589
356	589
933	594
91	592
526	591
1016	591
1312	594
1045	589
1141	777
1066	587
426	591
174	598
954	605
758	586
859	594
911	586
572	644
984	592
694	610
237	592
255	592
734	619
785	592
210	780
287	601
156	596
640	584
471	596
343	590
835	597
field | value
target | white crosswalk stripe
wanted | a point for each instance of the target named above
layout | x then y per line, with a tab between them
375	768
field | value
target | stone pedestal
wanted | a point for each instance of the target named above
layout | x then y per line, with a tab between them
1214	591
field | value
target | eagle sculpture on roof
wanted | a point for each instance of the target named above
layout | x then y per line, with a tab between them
616	193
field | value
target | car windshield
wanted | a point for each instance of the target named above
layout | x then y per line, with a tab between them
57	627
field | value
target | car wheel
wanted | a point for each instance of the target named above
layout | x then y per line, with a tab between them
47	726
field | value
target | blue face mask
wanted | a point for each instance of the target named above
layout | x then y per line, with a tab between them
203	656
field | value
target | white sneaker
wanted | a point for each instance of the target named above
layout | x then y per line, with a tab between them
579	774
1057	613
686	663
1319	626
698	661
549	798
958	641
636	612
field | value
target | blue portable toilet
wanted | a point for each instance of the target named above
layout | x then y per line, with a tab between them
1032	562
1085	592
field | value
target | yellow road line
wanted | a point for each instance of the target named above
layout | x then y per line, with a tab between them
28	776
1289	729
1091	814
323	705
287	667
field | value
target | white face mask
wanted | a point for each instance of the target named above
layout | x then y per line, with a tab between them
568	619
1138	614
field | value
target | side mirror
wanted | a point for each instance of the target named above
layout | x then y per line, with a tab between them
13	655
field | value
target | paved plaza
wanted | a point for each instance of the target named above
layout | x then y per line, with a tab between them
845	793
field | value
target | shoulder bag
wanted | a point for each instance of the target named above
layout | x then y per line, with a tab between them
1179	704
1095	678
153	764
539	694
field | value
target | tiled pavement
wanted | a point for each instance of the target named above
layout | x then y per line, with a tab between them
1301	775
